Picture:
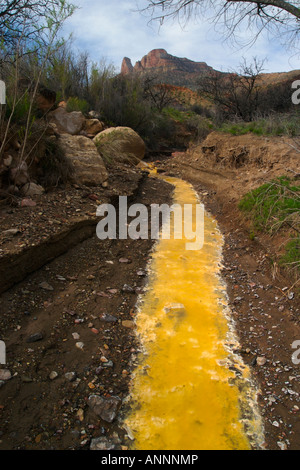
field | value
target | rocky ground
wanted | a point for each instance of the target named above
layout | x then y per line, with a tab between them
69	325
69	332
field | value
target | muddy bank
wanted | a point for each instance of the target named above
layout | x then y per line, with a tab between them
69	333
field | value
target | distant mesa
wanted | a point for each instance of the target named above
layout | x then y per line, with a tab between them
160	61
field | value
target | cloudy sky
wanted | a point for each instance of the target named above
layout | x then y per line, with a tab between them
113	29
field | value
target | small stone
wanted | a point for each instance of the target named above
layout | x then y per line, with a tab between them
53	375
261	361
105	408
5	375
11	231
80	414
141	273
26	379
102	443
128	324
282	445
80	345
124	260
35	337
28	203
70	376
108	318
46	286
76	336
127	288
108	365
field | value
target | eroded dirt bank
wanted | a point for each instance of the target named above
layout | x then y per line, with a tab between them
263	298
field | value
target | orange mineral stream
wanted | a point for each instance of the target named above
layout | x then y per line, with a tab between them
190	391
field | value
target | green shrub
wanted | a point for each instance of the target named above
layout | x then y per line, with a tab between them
274	125
77	104
272	206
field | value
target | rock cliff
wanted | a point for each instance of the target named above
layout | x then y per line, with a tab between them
177	71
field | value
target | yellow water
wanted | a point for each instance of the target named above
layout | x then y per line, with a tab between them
183	395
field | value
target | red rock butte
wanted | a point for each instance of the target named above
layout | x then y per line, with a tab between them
160	60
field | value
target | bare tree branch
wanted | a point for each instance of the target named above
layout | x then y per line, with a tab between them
263	15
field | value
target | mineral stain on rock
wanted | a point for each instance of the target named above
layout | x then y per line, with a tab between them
190	390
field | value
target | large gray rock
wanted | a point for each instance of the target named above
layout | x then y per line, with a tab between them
67	123
121	144
89	168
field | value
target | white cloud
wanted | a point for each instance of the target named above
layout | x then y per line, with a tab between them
115	29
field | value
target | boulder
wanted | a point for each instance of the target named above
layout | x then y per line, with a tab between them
89	168
19	175
93	126
121	144
67	123
32	189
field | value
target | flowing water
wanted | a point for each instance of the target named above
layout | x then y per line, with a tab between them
190	391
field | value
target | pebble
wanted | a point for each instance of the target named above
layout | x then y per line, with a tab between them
70	376
5	375
102	443
76	335
108	364
282	445
53	375
35	337
80	414
128	324
105	408
80	345
46	286
261	361
108	318
127	288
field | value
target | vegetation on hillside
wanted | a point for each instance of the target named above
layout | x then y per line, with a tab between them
274	207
